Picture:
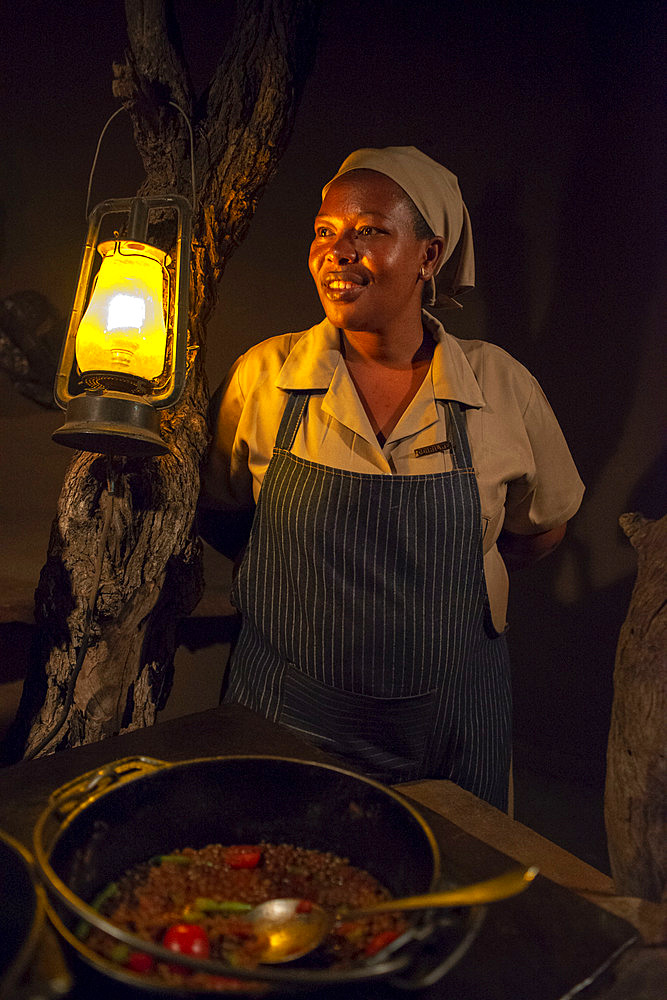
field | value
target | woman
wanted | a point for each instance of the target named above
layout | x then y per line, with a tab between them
390	464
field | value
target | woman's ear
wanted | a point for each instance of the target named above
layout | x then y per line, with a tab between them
433	255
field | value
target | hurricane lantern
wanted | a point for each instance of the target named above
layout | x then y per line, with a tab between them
124	356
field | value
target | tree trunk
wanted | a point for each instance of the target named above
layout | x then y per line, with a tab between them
129	523
636	785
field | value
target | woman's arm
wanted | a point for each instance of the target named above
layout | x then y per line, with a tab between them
519	551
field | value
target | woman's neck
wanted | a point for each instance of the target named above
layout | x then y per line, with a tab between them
386	376
405	350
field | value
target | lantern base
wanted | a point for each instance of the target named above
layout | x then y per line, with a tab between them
112	423
96	382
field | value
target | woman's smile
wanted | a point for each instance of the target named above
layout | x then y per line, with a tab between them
342	286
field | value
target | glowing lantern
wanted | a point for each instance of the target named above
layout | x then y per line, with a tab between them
124	357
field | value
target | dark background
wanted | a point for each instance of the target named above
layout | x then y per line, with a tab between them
551	115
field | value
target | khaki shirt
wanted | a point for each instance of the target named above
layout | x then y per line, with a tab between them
526	477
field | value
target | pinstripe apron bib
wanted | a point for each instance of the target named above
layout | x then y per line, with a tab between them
366	623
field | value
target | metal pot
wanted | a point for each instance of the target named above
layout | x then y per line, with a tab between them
108	820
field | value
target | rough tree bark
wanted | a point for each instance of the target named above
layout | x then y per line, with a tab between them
151	569
636	784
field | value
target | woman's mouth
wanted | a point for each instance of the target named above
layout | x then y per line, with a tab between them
337	283
342	287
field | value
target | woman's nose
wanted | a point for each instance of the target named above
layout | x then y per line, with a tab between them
343	249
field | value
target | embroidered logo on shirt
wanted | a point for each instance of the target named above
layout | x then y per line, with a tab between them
432	449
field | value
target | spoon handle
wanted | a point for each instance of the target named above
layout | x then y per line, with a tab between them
501	887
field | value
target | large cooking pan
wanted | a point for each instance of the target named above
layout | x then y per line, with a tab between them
108	820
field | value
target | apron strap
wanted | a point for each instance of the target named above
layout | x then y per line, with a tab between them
461	454
297	401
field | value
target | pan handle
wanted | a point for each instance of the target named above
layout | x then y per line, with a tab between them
85	788
70	798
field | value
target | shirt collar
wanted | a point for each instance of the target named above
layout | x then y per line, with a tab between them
311	363
451	373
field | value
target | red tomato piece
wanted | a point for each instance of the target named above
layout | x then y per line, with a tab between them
380	941
304	906
139	961
243	856
187	939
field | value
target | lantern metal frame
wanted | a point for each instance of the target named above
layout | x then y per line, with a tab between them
102	418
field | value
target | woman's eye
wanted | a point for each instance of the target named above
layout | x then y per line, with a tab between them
366	230
322	231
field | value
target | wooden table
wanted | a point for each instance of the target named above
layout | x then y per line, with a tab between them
542	945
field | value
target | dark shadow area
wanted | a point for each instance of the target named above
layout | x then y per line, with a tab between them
563	674
649	496
199	632
19	642
569	813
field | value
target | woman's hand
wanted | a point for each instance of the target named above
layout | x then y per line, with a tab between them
519	551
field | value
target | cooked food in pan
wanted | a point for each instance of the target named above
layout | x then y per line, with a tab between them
194	902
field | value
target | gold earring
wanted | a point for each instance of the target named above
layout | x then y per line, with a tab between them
422	273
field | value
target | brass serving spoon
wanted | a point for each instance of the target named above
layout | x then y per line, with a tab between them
291	927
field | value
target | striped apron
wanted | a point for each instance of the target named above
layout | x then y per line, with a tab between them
365	618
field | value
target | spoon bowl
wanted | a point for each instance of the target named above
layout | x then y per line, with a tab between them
290	928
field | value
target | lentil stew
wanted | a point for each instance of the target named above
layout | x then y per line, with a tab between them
193	902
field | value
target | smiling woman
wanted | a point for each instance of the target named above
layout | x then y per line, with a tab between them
363	473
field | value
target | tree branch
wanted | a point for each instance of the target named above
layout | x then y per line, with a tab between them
250	110
153	74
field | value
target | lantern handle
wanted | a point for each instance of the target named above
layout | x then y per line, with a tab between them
118	111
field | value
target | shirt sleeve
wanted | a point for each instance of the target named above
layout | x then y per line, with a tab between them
550	491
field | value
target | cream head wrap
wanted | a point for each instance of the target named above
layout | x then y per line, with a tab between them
435	192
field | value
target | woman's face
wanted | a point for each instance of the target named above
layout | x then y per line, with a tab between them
365	257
